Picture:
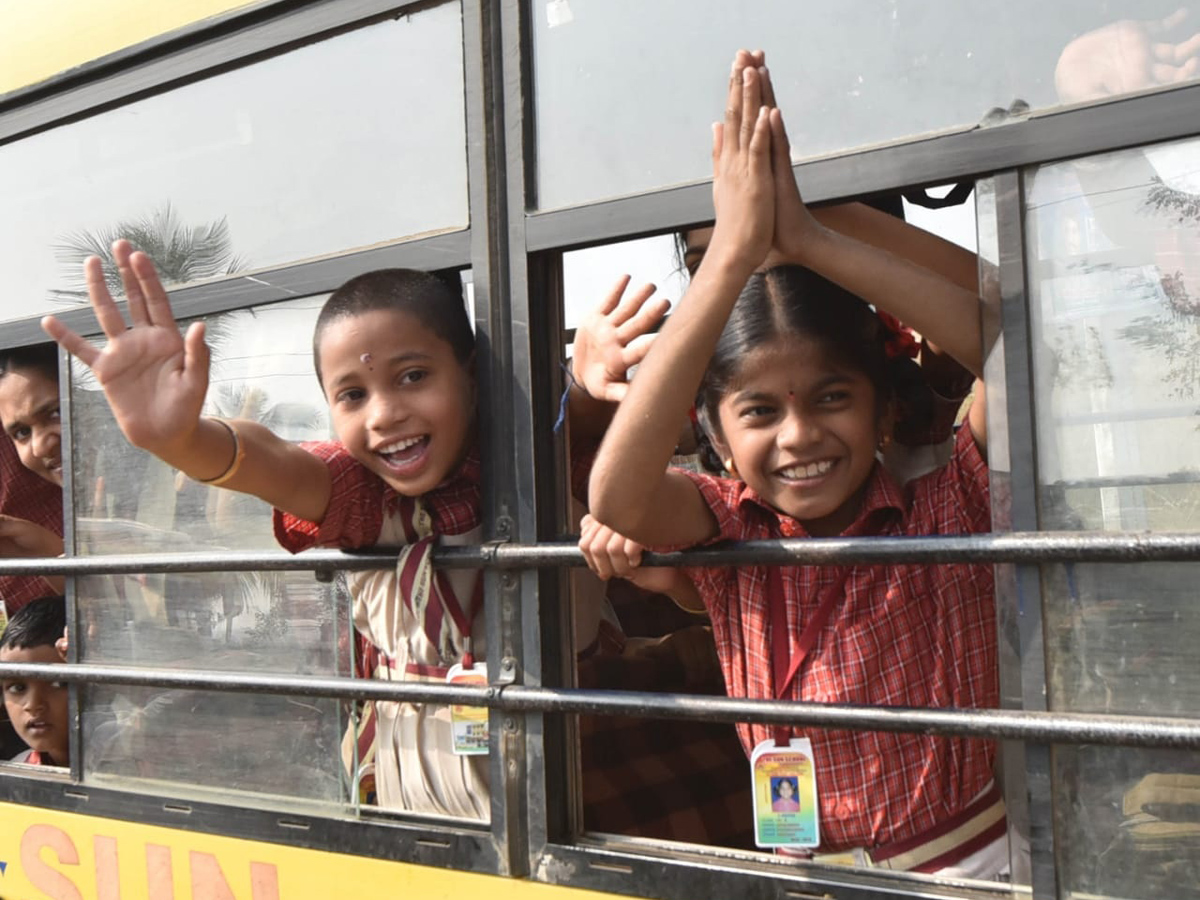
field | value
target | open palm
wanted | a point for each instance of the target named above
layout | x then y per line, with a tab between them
154	377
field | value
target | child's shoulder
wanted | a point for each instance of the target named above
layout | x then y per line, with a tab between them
954	498
348	475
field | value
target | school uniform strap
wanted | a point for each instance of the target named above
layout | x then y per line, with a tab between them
427	592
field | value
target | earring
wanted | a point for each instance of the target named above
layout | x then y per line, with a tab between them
885	442
730	467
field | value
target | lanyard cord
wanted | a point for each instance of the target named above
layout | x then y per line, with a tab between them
784	663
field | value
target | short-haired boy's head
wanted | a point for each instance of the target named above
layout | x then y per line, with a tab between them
37	623
431	299
41	358
37	709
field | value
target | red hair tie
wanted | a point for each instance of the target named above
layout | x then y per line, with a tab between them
900	339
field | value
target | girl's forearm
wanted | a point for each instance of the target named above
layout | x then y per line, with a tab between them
633	459
272	469
944	312
915	244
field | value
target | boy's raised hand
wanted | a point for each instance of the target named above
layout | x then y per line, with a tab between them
743	189
613	338
154	378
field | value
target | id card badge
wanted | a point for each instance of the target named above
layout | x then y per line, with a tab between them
785	795
469	724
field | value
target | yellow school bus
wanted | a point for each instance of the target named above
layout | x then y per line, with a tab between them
532	150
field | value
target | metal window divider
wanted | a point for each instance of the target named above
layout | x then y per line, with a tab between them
1027	767
495	169
74	707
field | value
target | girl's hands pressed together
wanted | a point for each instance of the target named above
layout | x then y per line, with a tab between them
743	187
613	338
155	379
796	231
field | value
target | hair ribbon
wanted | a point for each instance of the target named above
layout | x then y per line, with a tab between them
901	340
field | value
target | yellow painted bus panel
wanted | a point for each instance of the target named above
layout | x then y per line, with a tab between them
40	38
50	854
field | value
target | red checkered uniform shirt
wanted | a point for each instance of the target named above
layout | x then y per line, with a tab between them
26	496
904	635
360	497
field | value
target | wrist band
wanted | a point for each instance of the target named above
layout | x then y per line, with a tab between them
239	453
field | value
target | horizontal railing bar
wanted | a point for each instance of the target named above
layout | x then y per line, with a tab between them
1040	727
1019	547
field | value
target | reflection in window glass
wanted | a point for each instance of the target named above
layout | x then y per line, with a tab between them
352	141
847	74
1115	277
130	502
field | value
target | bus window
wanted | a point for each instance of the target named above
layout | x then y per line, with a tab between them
848	75
353	141
1114	280
289	623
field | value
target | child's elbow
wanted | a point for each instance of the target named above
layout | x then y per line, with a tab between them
607	505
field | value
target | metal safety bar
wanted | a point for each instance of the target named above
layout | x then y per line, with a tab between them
1042	727
1016	547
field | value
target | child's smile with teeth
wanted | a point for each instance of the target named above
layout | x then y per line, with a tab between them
385	374
802	430
812	470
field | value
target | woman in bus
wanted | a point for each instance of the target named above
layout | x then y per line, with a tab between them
799	399
31	522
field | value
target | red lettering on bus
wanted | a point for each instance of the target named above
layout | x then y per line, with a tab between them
51	882
160	878
108	873
209	882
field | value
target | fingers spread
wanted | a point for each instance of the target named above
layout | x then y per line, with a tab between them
636	350
70	341
195	356
158	307
613	298
631	305
1174	20
642	316
121	251
107	314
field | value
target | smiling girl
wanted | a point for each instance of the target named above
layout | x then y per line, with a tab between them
792	372
394	354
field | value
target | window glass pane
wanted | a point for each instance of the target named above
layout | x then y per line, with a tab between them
625	90
1114	281
286	623
353	141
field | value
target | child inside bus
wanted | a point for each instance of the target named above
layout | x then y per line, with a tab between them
37	709
30	468
394	355
792	371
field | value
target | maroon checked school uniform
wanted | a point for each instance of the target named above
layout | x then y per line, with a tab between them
902	635
26	496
